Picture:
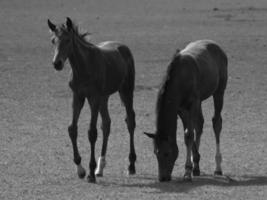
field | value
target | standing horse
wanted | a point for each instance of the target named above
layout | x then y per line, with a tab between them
194	74
97	72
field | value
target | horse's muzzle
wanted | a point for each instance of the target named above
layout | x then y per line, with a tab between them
58	65
164	179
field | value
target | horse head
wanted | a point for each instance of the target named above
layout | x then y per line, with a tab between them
166	152
61	39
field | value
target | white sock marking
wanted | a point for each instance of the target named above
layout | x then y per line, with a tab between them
100	165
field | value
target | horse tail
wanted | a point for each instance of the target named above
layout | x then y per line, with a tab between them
223	70
129	81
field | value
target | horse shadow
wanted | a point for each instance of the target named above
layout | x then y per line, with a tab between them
178	185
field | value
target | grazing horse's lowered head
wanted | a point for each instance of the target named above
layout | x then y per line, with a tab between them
166	152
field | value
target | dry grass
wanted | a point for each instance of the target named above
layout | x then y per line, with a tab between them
35	151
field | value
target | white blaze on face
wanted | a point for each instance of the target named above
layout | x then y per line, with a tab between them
55	55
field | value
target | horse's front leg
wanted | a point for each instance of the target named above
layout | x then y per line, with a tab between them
77	105
189	126
189	139
94	103
106	121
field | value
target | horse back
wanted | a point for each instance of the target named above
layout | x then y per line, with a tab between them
211	63
118	63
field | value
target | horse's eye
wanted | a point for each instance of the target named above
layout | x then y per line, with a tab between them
156	151
53	40
67	40
166	154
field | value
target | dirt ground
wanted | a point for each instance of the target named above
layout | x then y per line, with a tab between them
35	101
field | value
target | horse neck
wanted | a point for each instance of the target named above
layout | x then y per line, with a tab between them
167	119
79	58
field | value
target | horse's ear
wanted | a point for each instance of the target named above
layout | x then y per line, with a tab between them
69	24
177	52
51	25
151	135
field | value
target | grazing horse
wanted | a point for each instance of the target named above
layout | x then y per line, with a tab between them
97	72
194	74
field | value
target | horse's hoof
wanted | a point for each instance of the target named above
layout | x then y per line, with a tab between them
100	166
130	173
196	172
81	172
99	174
165	179
91	179
187	178
131	170
218	173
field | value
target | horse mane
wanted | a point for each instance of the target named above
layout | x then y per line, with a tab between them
82	35
165	84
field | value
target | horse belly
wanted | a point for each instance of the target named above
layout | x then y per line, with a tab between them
208	79
206	92
115	76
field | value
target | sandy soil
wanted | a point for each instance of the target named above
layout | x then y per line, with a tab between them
35	150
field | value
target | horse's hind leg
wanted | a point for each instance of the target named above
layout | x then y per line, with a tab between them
217	127
94	103
127	98
106	131
195	149
77	105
